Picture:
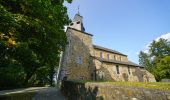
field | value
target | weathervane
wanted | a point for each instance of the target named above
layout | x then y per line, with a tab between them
78	10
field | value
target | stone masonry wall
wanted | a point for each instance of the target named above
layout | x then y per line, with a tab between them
76	63
107	71
99	91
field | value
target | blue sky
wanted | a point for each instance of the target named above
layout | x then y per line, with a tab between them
124	25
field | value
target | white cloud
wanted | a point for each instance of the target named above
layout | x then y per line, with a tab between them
164	36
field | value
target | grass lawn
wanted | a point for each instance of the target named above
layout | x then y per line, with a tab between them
150	85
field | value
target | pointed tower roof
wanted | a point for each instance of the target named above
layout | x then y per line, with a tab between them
78	17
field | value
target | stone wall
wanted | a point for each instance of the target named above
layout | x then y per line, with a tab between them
108	71
76	62
95	91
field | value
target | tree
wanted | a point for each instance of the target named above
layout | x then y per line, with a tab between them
156	60
144	60
160	48
31	38
163	68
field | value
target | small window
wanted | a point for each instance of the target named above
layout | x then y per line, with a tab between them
101	54
108	56
120	58
129	70
115	57
79	60
78	22
117	69
101	75
71	24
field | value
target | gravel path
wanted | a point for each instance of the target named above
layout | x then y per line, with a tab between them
49	94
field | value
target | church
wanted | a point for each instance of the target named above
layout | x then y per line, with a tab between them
82	60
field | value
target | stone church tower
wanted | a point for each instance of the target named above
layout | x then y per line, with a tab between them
76	60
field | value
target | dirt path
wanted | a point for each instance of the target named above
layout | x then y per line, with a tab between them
49	94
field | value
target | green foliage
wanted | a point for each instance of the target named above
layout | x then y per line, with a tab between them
163	68
157	59
144	60
160	48
31	38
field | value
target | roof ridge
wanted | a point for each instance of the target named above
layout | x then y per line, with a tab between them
118	62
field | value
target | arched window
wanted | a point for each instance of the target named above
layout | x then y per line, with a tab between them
101	55
117	69
108	56
120	58
115	57
129	70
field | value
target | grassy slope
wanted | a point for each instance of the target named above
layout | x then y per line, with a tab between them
150	85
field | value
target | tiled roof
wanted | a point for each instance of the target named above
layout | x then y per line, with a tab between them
118	62
108	50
